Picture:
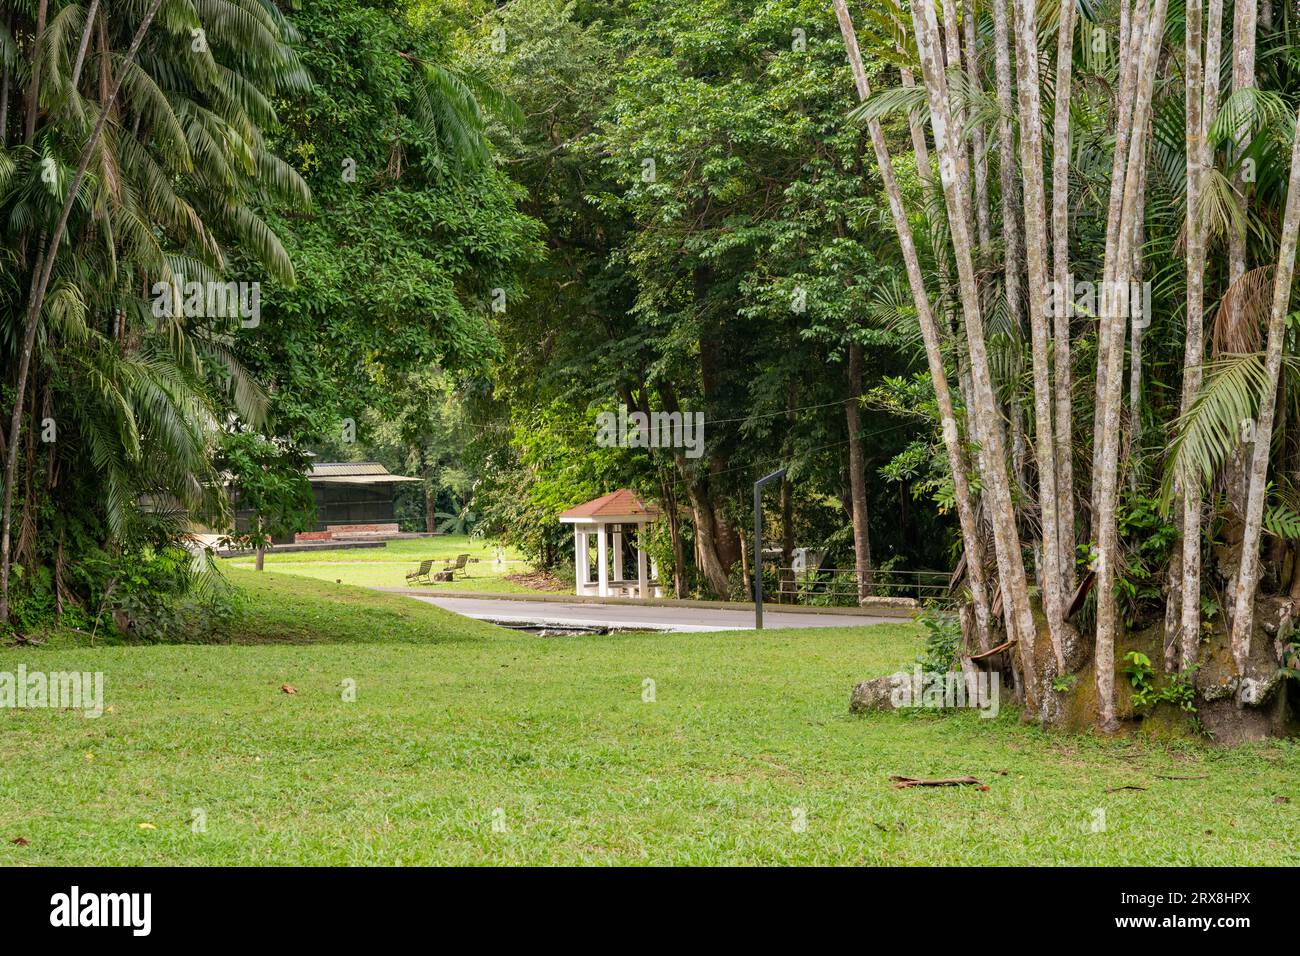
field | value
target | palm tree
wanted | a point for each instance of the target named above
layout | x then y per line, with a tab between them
930	335
988	425
171	165
1248	577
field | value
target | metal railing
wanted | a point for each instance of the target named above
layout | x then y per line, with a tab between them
838	587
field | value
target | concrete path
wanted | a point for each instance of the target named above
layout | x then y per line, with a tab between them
634	616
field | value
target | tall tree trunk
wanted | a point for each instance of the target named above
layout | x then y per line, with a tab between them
933	345
1035	203
979	146
1135	348
32	105
44	268
1013	242
1243	618
706	540
4	94
1064	424
786	573
1011	571
858	475
1130	41
85	43
1243	78
917	128
1147	32
746	584
674	537
1202	100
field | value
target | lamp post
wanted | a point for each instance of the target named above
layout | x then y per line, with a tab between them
758	545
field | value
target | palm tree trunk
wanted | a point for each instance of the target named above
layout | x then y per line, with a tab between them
1202	96
1031	166
1135	348
85	43
1243	77
1011	571
1013	242
933	345
1061	276
979	145
44	267
952	61
1129	46
4	92
32	105
1243	618
1147	32
919	146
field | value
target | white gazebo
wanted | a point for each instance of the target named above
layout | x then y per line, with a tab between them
611	517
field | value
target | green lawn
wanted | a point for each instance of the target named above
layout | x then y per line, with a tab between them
458	723
387	567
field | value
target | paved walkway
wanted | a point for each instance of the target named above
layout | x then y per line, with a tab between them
634	616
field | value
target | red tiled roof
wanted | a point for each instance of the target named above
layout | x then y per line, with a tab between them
617	504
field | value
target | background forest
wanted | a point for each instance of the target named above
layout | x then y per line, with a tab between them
475	227
462	261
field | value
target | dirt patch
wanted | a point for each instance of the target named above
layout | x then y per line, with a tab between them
539	581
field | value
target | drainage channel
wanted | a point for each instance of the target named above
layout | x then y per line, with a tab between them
568	628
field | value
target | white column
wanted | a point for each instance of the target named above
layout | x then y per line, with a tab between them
581	561
642	569
602	556
618	556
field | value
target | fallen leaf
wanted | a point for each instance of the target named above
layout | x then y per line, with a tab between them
147	826
20	841
288	689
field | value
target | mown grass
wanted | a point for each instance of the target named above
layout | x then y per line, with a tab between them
387	567
457	724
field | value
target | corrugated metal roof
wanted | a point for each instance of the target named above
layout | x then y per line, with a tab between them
354	473
322	468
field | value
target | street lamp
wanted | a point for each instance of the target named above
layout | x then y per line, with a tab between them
758	545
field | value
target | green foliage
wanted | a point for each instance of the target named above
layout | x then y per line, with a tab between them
1149	537
1142	676
267	479
942	641
1064	683
1179	691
